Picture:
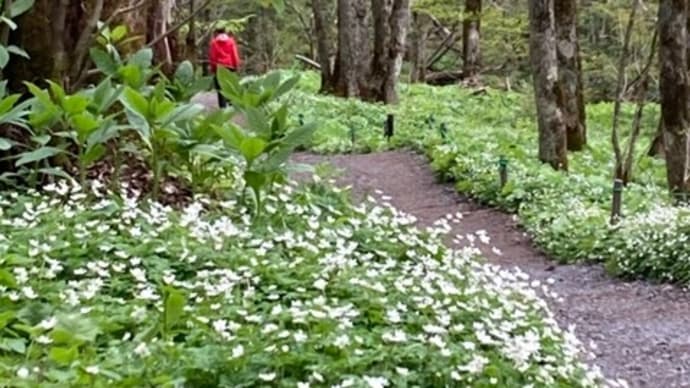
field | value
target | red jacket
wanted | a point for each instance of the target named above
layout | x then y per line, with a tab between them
223	52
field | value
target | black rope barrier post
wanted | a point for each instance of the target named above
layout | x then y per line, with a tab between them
617	201
352	138
390	127
503	171
443	129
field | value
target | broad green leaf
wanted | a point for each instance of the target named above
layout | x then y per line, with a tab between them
4	57
8	102
231	134
17	345
132	76
185	73
286	86
255	180
84	123
174	307
7	279
104	61
41	139
93	154
135	102
118	33
18	51
299	136
75	329
258	122
53	171
74	105
5	144
36	155
6	317
64	355
19	7
142	58
41	95
252	147
140	125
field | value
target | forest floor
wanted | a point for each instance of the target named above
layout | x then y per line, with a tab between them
639	332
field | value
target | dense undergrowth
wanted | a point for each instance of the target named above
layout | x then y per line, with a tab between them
465	135
314	291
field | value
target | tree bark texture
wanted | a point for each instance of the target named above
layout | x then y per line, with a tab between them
346	84
323	46
420	35
548	97
673	85
471	52
570	73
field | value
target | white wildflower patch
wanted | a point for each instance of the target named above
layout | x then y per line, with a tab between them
208	294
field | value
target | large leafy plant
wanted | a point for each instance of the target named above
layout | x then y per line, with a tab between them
159	122
264	141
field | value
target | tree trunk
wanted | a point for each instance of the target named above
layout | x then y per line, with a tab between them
656	149
323	45
673	85
548	97
471	53
420	32
569	70
346	84
390	33
190	43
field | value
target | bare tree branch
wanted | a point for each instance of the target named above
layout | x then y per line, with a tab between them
179	25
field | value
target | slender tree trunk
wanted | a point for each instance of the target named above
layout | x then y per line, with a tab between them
471	52
420	36
190	43
390	34
59	25
323	46
673	85
548	97
346	84
656	149
569	70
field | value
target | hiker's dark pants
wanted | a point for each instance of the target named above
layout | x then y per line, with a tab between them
222	101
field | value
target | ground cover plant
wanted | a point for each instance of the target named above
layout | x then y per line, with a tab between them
466	134
314	292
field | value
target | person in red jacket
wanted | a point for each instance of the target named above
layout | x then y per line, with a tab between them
223	52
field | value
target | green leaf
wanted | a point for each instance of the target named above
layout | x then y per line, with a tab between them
36	155
118	33
19	7
93	154
5	144
7	279
18	51
142	58
17	345
8	102
74	105
135	102
42	139
4	56
64	356
6	317
13	26
300	136
258	122
286	86
231	134
53	171
75	329
132	76
41	95
104	61
252	147
185	73
174	307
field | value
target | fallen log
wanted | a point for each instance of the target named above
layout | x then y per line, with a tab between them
442	78
308	61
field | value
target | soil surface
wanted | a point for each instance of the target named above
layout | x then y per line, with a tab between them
639	332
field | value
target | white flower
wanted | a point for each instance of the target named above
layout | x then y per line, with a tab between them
22	373
142	350
395	337
303	385
29	293
402	371
267	376
93	369
342	341
48	324
44	340
238	351
320	284
376	382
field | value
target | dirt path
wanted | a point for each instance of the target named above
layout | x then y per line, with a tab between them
641	331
